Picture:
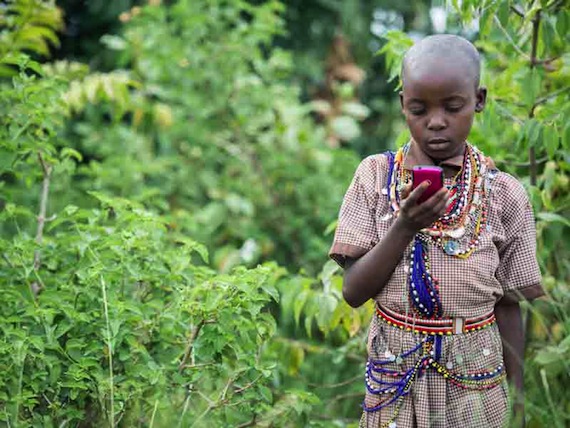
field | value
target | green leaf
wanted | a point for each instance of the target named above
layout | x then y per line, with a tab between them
531	84
563	23
266	393
330	228
549	217
548	33
533	129
550	140
298	305
566	137
503	12
68	152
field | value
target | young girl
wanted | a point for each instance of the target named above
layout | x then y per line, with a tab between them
446	274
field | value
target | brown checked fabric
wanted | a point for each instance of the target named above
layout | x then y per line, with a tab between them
504	265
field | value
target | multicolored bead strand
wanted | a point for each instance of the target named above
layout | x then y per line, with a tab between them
423	288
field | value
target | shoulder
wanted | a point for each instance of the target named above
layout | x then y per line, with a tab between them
508	188
510	200
372	171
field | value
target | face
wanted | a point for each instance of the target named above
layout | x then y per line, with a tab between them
439	104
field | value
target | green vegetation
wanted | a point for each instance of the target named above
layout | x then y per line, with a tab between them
166	209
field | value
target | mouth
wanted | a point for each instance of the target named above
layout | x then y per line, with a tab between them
438	142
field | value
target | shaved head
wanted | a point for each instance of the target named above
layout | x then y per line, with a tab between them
439	51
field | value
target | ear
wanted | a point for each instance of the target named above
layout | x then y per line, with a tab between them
481	99
401	94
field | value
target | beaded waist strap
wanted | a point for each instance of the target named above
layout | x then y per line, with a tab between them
444	326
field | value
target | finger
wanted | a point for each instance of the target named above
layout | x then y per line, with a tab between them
436	205
441	195
441	207
406	191
442	201
418	191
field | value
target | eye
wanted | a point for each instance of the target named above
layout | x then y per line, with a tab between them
453	108
417	110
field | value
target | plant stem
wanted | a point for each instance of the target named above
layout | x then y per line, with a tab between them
531	151
533	62
185	409
110	349
153	414
190	345
46	171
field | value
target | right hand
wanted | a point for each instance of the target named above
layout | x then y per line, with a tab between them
413	216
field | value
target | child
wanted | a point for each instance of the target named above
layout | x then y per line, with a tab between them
446	274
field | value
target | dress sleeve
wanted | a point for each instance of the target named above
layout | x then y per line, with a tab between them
518	271
356	231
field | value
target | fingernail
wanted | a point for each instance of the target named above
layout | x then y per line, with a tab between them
428	182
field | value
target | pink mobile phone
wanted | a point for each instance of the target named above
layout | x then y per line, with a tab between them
431	173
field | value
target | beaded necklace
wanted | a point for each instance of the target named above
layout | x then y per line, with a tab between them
456	232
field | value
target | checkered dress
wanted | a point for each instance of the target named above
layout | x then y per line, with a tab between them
503	264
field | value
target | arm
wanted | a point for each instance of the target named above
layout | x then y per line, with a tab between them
509	321
365	277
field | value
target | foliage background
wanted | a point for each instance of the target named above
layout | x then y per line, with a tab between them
170	173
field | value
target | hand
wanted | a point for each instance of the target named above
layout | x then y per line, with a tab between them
413	216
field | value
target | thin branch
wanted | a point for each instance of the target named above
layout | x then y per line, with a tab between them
249	385
110	349
507	113
550	96
336	385
248	424
533	170
190	344
198	366
516	10
509	38
46	171
225	390
5	257
211	403
344	396
522	164
317	349
334	418
535	30
547	60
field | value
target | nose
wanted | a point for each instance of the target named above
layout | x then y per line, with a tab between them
436	122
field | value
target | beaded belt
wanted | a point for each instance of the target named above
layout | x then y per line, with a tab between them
444	326
390	383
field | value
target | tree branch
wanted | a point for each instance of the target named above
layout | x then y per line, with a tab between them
190	344
249	385
535	30
533	170
522	164
508	37
344	396
550	96
316	349
547	60
517	11
336	385
507	113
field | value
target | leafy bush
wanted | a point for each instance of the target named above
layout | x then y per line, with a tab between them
113	312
